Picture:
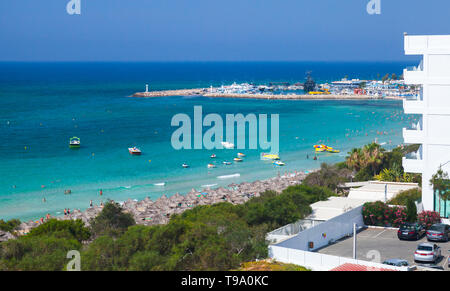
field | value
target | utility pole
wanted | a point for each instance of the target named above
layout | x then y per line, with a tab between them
354	241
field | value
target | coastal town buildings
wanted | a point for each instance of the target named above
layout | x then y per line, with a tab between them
432	104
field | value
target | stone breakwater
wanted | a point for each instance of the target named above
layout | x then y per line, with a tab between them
206	93
165	93
148	212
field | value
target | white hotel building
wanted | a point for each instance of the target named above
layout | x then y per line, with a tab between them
433	105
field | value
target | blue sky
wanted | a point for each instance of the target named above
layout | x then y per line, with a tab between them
214	30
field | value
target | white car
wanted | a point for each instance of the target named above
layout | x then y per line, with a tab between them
427	252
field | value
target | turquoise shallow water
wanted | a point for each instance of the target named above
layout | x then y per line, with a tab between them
40	111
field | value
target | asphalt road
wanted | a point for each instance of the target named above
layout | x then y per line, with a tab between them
381	244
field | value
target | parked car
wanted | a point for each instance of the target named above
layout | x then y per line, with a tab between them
427	252
410	231
439	232
396	262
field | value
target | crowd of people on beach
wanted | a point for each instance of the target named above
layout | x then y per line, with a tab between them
148	212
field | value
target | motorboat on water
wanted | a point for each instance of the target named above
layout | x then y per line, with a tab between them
278	163
237	159
241	155
226	163
265	156
213	156
227	145
184	165
74	142
210	166
134	151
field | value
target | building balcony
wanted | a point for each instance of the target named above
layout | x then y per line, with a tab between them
414	104
413	136
413	162
421	44
414	75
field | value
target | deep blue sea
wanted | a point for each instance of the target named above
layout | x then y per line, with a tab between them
42	105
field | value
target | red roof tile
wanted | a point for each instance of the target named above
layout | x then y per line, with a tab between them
355	267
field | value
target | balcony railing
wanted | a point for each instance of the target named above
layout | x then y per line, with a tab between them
415	68
415	155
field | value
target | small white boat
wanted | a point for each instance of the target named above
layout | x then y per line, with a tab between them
278	163
226	163
227	145
210	166
134	151
185	165
241	155
213	156
237	159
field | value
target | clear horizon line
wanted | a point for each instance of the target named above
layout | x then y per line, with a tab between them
207	61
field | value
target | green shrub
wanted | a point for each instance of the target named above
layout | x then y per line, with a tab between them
71	229
329	176
35	253
404	196
10	225
411	211
111	220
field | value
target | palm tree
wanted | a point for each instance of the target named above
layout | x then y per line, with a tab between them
354	160
373	156
439	181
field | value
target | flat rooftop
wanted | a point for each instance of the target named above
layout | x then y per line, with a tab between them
334	206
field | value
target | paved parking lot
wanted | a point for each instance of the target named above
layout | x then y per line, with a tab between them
386	243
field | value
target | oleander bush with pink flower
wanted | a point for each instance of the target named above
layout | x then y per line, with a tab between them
381	214
428	218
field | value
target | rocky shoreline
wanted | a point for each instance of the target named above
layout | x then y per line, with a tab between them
148	212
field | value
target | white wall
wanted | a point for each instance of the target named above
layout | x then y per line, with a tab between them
438	66
321	262
438	96
325	232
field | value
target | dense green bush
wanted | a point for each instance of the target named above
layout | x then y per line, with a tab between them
403	197
9	225
112	220
380	214
45	252
45	247
329	176
411	211
71	229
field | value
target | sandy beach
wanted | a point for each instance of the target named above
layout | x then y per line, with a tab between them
148	212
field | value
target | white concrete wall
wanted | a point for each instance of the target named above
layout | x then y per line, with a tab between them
438	96
322	234
320	262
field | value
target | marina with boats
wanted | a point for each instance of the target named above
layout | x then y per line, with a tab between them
345	89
